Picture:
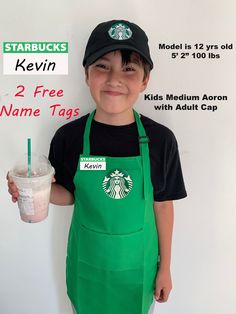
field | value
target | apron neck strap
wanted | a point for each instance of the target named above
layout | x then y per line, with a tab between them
144	151
86	142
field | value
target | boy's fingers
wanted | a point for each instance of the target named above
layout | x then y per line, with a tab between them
14	200
162	296
9	179
14	195
12	187
157	294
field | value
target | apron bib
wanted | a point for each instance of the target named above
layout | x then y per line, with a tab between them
112	253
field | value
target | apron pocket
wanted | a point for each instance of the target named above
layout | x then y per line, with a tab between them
111	252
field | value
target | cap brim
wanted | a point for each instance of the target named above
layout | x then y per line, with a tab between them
91	59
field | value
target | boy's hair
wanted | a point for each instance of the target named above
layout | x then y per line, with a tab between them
128	56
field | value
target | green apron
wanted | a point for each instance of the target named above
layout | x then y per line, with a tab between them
112	254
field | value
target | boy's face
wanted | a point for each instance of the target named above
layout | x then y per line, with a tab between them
113	86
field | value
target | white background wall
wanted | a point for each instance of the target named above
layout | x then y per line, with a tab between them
32	256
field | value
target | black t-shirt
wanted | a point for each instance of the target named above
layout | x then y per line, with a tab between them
120	141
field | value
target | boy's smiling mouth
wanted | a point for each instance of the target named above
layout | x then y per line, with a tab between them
113	93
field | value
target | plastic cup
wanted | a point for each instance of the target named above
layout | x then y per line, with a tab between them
34	190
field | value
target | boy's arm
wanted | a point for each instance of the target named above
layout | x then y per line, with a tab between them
164	214
60	195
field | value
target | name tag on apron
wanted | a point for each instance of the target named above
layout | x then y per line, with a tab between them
92	163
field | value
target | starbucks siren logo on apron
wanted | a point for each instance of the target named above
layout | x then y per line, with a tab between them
117	185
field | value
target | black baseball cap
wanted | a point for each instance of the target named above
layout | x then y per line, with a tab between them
115	35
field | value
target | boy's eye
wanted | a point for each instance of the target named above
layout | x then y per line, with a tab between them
129	68
101	66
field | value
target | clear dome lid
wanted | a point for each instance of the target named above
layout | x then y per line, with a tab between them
39	166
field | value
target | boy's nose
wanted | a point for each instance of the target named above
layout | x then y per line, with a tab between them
114	79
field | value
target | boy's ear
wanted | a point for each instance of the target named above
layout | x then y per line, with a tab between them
145	83
86	76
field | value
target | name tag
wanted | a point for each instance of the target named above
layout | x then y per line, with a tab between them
92	163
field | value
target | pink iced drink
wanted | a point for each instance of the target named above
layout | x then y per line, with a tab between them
37	208
34	188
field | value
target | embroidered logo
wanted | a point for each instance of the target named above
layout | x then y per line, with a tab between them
120	31
117	185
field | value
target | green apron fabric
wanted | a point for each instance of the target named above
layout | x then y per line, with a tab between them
112	254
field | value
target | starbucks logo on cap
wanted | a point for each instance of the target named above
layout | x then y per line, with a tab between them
120	31
117	185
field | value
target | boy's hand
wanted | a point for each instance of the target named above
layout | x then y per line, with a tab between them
163	285
12	189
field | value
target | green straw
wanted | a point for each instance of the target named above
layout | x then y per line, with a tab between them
29	156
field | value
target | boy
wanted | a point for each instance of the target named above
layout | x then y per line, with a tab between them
122	172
